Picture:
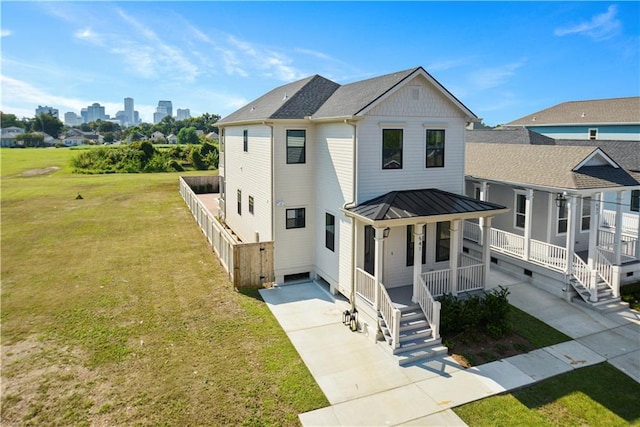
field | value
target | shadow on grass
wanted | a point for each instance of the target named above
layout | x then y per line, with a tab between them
600	383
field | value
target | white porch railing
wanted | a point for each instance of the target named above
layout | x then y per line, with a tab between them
471	278
628	244
509	243
552	256
365	285
430	307
582	274
606	270
391	316
629	221
437	281
471	231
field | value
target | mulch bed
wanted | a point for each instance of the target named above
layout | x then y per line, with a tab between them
472	348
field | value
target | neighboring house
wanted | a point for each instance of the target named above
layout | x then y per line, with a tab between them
608	119
9	134
157	136
555	234
172	139
212	136
73	140
360	186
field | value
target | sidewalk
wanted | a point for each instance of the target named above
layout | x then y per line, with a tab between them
366	386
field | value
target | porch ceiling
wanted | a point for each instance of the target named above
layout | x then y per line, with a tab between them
429	204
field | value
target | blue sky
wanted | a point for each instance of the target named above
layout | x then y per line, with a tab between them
502	60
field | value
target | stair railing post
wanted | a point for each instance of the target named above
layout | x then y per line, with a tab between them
436	319
615	286
593	286
396	328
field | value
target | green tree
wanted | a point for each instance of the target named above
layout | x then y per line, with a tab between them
108	137
48	124
104	127
188	136
8	120
30	139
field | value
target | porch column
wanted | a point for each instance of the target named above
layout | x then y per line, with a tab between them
527	223
594	228
484	196
418	229
571	232
377	269
454	252
617	240
486	249
638	238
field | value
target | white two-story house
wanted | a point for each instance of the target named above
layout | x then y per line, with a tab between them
361	186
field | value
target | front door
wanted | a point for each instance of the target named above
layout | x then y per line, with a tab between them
369	249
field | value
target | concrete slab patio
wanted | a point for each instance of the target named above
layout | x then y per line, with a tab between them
366	386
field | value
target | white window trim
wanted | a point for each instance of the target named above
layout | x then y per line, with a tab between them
589	134
582	216
515	208
557	220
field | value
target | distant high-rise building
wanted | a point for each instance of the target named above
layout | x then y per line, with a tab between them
128	112
72	119
182	113
47	110
95	112
167	106
84	113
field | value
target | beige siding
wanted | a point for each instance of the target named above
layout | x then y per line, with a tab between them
294	251
334	188
249	172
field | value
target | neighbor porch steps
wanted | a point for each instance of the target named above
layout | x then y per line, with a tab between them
605	294
416	337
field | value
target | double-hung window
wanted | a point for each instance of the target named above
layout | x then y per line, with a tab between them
391	148
563	219
411	245
296	146
521	209
435	148
295	218
245	140
593	133
586	214
239	202
251	205
443	241
635	201
330	231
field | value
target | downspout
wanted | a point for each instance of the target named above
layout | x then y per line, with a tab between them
352	203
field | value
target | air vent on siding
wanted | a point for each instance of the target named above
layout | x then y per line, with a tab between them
415	93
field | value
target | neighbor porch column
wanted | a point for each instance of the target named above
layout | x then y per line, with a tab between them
527	223
638	238
484	197
377	269
617	240
418	229
454	254
594	225
486	249
571	232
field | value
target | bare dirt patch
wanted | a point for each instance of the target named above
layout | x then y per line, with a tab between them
472	349
37	172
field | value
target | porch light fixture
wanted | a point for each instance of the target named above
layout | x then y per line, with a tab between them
385	232
560	200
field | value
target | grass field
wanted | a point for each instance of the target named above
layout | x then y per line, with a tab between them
115	312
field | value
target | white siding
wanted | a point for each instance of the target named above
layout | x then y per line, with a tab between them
400	110
334	188
249	172
294	188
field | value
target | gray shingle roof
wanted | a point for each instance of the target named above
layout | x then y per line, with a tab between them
597	111
420	203
541	165
513	135
320	98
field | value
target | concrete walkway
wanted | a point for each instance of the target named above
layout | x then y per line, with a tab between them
366	386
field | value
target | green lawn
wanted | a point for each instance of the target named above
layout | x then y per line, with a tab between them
115	312
597	395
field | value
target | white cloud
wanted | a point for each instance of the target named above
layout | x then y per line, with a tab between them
446	64
20	94
491	77
5	32
600	27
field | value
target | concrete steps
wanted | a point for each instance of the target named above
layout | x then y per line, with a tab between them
416	337
605	294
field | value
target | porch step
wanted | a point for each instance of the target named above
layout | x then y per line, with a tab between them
416	337
605	294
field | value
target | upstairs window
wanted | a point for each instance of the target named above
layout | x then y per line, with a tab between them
295	218
245	140
296	146
435	148
593	133
330	231
251	205
563	219
635	200
391	148
239	202
411	243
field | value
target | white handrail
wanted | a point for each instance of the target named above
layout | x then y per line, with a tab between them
471	231
438	282
430	307
552	256
471	278
506	242
391	316
582	273
606	270
365	285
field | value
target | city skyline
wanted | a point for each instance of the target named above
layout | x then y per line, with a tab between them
503	60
